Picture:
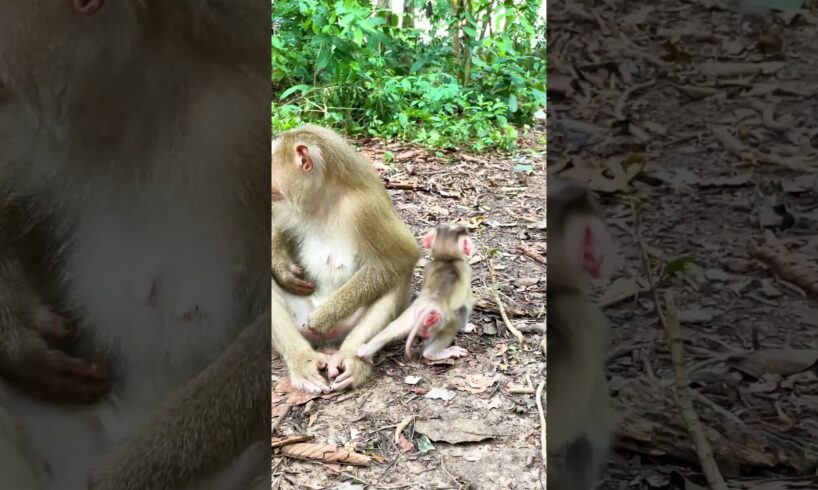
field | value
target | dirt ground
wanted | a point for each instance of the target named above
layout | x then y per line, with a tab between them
501	198
698	117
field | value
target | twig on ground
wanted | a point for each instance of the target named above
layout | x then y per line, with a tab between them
277	422
494	289
683	398
530	253
541	411
717	408
276	443
520	390
455	480
682	386
619	109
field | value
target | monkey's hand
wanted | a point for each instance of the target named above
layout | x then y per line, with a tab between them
348	370
292	280
42	370
304	368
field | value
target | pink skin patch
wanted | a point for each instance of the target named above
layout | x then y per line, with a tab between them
429	239
590	261
430	320
466	246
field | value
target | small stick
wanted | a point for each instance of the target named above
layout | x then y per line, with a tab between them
541	411
290	440
683	398
500	305
619	110
531	253
675	343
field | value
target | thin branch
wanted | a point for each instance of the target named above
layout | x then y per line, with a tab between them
685	401
496	293
541	411
670	323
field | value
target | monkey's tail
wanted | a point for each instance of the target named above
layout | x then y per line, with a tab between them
428	317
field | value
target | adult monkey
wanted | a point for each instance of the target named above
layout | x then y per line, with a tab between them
334	224
138	130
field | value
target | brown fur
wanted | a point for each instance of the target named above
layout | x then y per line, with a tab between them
343	195
446	288
580	419
140	111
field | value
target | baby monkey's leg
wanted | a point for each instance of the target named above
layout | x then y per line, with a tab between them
440	346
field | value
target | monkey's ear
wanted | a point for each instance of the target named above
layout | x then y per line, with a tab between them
589	246
429	238
466	246
305	160
88	7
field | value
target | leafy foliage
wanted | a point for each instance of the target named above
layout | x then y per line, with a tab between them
445	72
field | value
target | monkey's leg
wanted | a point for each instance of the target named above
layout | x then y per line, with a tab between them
440	346
355	370
303	363
398	329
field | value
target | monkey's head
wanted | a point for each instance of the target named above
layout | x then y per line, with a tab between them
578	243
298	168
448	241
314	163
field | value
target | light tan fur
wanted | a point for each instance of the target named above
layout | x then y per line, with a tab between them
446	293
337	221
136	134
580	419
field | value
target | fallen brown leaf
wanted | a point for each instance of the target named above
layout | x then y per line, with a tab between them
789	267
456	431
404	444
325	453
783	362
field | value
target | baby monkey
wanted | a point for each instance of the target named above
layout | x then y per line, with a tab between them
580	419
445	301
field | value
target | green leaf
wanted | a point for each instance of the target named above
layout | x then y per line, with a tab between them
359	37
512	103
676	265
292	90
424	444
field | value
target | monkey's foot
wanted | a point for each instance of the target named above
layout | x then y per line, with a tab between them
347	370
468	328
305	373
451	353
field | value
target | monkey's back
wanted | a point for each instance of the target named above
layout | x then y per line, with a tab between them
577	388
443	277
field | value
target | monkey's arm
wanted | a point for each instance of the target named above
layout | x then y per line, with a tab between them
286	271
203	426
27	331
356	371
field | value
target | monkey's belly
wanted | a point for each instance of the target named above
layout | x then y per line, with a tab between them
302	306
159	304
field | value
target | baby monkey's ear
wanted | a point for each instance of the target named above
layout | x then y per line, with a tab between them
429	238
466	245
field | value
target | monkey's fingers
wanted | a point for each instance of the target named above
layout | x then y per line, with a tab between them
52	326
60	363
342	382
312	383
333	368
300	287
67	390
